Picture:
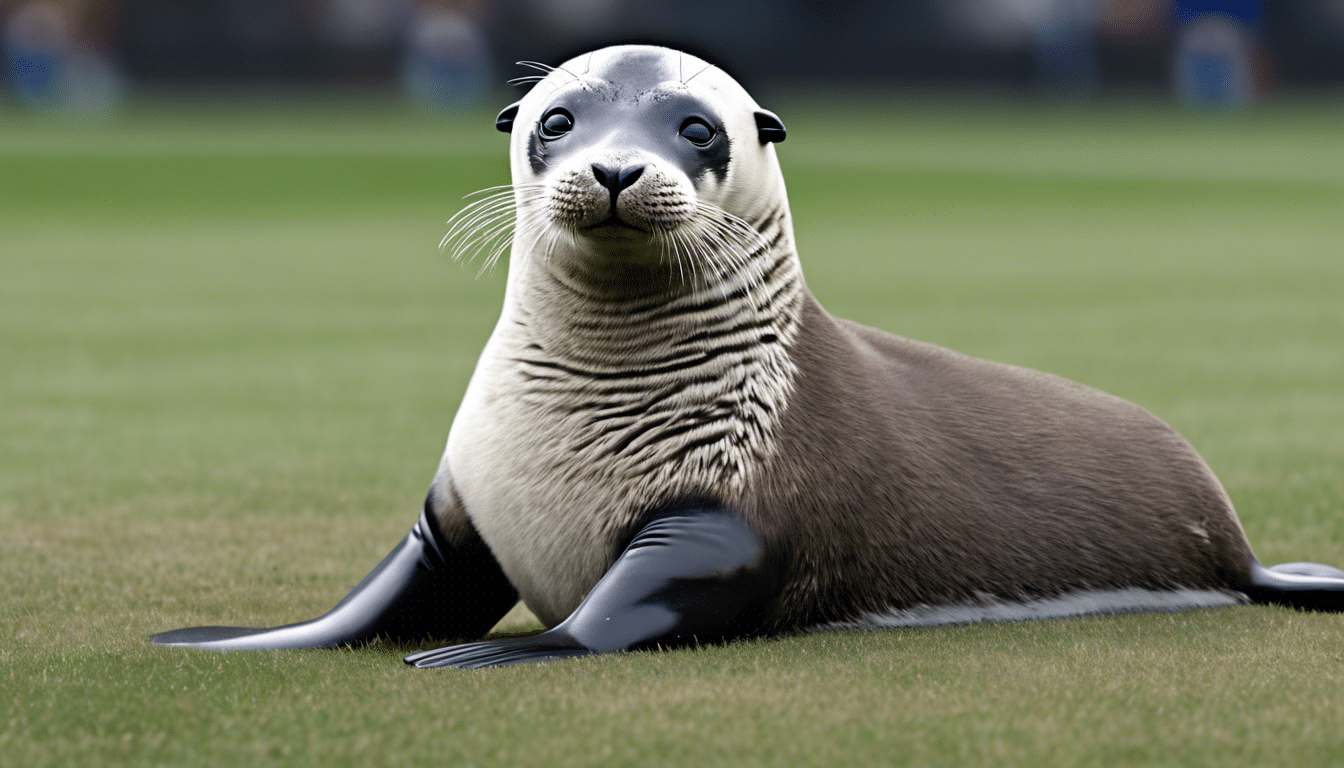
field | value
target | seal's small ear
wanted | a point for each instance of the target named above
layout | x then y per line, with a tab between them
768	127
505	120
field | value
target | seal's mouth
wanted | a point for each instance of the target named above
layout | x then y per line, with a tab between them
614	226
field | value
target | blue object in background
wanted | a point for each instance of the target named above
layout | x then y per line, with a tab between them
1216	50
50	69
79	83
1248	11
447	60
30	71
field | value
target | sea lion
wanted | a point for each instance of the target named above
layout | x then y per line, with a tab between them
668	440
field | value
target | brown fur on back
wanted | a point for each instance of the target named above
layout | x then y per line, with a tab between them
909	474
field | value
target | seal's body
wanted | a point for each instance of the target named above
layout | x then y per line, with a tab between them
667	438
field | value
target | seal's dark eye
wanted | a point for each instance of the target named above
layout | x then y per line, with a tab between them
556	123
697	132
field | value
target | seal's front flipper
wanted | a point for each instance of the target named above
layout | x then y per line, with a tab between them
426	587
695	574
1308	586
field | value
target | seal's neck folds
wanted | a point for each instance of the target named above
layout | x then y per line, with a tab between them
679	368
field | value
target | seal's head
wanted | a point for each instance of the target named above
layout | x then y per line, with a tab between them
632	153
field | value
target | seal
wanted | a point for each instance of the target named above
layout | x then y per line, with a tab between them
667	440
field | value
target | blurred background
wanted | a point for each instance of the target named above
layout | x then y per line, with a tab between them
88	55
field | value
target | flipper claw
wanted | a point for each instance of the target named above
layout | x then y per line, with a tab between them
548	646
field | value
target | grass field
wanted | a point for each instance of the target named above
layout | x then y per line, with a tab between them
230	354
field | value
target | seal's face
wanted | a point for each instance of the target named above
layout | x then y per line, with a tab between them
636	152
618	167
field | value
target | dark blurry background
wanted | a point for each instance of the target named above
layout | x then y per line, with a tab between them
86	54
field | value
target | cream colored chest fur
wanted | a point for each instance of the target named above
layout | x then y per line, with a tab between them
575	424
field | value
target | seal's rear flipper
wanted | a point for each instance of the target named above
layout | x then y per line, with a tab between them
695	574
423	588
1309	586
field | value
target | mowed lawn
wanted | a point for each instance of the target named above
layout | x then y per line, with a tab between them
230	354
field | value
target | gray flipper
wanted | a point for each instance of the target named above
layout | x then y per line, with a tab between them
1308	586
694	574
423	588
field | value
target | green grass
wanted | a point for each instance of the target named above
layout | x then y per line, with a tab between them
230	354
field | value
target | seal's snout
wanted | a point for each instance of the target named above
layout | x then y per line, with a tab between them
616	179
621	192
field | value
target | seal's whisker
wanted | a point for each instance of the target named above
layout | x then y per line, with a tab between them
485	225
732	250
697	74
467	226
690	248
746	228
553	237
508	229
455	242
507	187
545	236
660	240
670	253
533	225
482	242
725	262
537	65
496	240
728	220
556	235
548	70
748	242
501	199
703	260
669	239
671	246
495	200
693	264
492	198
581	81
732	244
503	235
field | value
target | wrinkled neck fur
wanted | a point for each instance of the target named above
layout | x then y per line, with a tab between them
573	303
676	385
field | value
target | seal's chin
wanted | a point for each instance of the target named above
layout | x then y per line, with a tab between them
615	243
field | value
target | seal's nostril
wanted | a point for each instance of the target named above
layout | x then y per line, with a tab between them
603	175
629	176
